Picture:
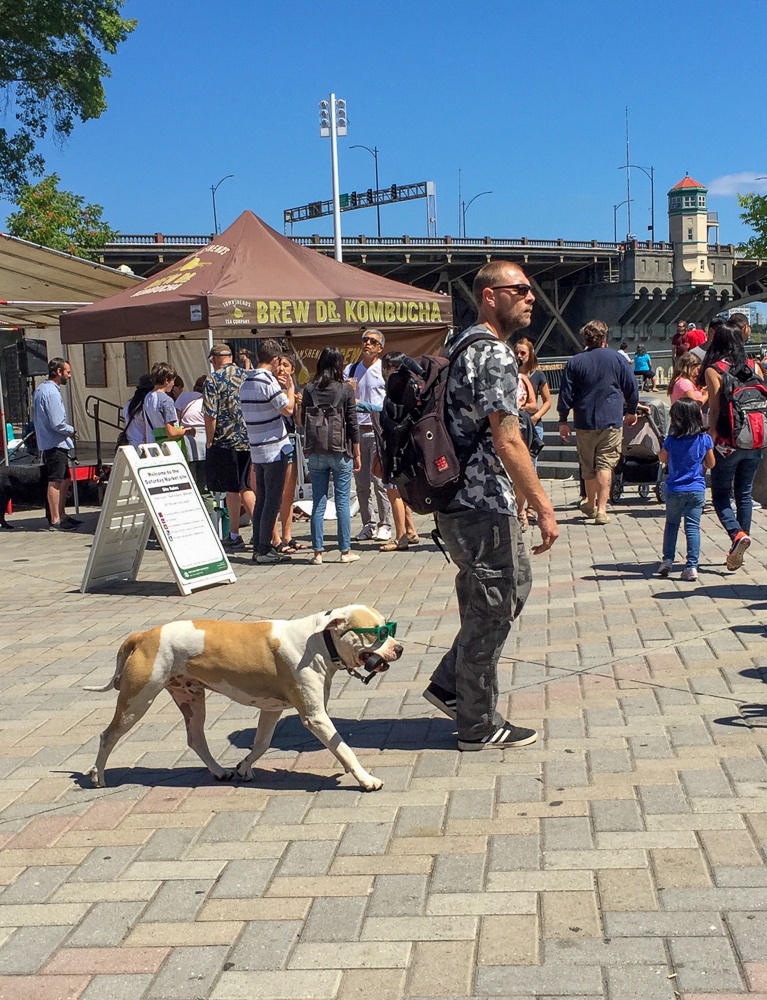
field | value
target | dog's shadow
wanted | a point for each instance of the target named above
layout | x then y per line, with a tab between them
371	734
365	734
200	777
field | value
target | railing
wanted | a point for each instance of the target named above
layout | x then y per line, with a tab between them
93	406
154	240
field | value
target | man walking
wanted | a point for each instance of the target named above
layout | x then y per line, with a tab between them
480	527
55	439
596	385
264	403
227	457
369	390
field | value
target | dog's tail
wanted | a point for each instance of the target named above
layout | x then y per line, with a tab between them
122	656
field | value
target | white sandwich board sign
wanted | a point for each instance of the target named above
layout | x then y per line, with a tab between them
152	487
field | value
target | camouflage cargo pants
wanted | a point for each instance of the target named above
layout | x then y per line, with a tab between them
493	583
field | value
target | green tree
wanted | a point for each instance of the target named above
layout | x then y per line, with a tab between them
51	74
59	219
755	215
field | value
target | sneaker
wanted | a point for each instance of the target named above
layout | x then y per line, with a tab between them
367	533
756	505
690	573
665	567
383	533
504	736
738	549
601	518
316	559
233	544
62	526
270	558
347	557
73	520
441	699
588	512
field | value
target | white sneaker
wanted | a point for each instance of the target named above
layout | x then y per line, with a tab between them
347	557
367	533
383	534
756	505
690	574
317	559
665	567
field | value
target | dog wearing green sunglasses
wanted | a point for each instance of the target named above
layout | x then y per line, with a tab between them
273	666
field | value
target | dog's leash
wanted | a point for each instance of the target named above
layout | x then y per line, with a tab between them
377	663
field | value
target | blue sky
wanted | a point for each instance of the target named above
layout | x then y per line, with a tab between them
526	99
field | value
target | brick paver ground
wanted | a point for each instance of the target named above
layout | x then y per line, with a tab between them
621	856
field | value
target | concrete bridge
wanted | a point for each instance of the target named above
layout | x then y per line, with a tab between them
631	286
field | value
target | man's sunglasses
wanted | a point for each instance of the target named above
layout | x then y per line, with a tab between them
520	290
381	632
371	340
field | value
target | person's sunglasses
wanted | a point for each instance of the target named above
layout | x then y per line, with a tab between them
382	632
520	290
371	340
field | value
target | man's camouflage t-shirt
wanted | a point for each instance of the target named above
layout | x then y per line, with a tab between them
221	401
483	380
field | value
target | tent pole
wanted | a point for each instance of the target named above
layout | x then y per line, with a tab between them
210	345
3	420
71	415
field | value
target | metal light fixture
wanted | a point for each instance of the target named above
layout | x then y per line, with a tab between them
333	123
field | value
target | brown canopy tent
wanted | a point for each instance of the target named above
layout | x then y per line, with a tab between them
252	278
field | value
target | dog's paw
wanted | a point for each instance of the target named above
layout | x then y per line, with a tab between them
97	782
225	774
244	771
370	783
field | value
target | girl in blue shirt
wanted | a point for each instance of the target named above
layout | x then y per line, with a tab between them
687	451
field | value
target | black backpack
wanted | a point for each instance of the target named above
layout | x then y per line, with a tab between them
742	407
417	452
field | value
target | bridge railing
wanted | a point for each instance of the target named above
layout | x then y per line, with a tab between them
123	240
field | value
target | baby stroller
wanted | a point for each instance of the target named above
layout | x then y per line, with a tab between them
639	464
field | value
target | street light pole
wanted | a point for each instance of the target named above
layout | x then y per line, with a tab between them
651	174
333	124
213	189
374	153
615	217
465	206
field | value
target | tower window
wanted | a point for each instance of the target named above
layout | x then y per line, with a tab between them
689	234
702	264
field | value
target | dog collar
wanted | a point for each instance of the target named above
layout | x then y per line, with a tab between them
331	648
333	654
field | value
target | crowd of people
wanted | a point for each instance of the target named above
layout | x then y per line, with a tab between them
718	420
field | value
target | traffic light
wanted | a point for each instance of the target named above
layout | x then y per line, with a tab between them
370	196
353	199
394	192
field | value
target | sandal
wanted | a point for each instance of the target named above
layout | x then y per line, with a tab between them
285	548
413	539
293	545
394	545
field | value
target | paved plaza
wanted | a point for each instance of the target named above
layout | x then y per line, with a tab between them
620	856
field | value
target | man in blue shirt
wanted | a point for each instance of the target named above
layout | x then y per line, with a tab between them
597	385
55	441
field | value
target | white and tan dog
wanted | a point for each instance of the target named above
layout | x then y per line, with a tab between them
273	666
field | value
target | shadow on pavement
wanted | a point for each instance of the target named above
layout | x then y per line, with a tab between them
200	777
751	716
371	734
